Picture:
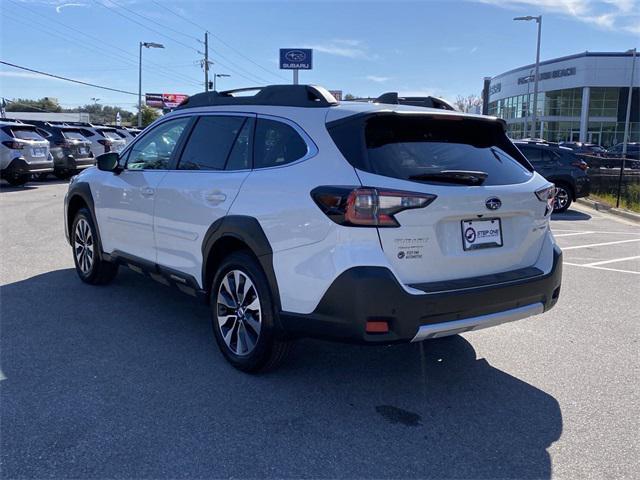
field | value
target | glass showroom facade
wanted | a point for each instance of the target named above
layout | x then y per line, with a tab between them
576	99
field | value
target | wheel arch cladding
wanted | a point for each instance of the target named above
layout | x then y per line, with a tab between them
232	233
80	197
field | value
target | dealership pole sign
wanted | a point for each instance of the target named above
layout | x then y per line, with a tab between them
165	101
296	59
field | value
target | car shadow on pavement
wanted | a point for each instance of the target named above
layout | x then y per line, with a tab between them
126	381
571	215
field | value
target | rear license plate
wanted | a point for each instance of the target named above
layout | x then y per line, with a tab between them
37	152
478	234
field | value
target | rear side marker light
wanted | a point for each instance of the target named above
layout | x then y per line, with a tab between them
377	326
367	207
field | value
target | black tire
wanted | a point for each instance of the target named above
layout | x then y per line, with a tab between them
63	174
41	176
17	180
91	268
269	348
564	198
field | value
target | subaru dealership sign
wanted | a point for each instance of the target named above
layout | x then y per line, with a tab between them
296	59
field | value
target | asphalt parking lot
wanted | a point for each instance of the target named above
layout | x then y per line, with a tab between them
125	381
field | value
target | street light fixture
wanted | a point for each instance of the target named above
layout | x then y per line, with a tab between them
538	20
145	45
218	75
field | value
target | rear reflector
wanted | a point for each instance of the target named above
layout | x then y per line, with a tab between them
377	326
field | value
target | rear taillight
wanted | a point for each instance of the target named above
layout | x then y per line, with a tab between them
14	145
548	195
367	207
106	143
581	164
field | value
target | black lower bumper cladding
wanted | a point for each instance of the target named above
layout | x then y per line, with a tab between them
363	294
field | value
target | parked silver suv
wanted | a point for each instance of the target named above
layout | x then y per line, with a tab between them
23	152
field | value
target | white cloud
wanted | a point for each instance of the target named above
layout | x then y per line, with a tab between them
66	5
28	75
451	49
343	48
377	79
474	49
621	15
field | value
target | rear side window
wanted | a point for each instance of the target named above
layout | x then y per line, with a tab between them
210	142
26	134
412	146
276	144
110	134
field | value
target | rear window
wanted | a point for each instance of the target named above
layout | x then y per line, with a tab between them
26	133
73	134
407	147
111	134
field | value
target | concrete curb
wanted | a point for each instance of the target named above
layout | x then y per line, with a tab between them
603	207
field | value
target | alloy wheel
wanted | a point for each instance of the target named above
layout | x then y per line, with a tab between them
562	198
83	246
239	313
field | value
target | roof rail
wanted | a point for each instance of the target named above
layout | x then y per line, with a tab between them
274	95
392	98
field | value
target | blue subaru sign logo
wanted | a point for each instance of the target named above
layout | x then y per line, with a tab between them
296	59
493	203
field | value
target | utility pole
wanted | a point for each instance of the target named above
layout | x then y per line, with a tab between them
538	20
206	61
625	139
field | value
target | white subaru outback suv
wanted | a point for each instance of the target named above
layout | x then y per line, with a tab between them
294	215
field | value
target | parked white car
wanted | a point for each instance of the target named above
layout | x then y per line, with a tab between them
103	139
294	215
23	152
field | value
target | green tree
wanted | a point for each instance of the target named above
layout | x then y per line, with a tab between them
349	96
149	115
45	104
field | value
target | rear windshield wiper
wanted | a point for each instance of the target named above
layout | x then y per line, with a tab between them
461	177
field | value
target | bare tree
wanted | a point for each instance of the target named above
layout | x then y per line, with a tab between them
467	104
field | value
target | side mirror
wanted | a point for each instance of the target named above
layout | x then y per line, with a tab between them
108	162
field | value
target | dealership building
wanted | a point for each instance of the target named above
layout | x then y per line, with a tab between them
581	97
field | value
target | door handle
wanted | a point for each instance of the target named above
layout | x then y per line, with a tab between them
147	191
215	198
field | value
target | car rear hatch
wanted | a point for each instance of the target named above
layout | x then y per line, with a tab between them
76	143
113	141
29	144
482	216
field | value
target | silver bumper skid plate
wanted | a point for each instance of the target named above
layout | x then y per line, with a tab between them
454	327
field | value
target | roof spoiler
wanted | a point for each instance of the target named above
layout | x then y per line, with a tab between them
392	98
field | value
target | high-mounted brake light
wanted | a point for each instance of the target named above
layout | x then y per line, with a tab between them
367	207
548	195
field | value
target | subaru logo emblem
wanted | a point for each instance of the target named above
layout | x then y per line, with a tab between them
493	203
296	56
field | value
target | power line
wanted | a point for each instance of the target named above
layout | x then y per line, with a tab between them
67	79
220	40
160	69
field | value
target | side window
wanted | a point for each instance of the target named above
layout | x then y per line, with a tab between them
276	143
153	151
240	156
534	155
211	142
550	157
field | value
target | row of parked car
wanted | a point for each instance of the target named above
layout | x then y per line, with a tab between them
32	147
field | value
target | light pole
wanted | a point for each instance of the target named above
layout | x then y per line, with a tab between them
145	45
216	76
528	112
625	139
534	118
95	100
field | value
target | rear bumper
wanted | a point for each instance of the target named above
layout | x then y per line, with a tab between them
19	166
70	162
363	294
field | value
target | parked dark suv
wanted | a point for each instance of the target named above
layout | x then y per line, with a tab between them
561	166
633	154
585	148
70	148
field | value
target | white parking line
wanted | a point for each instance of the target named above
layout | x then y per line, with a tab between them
593	264
571	234
594	231
601	268
601	244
